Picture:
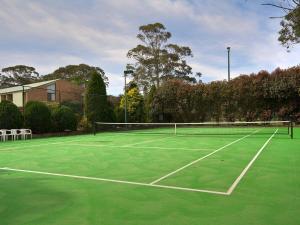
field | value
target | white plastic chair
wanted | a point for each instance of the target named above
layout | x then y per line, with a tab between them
7	134
16	133
25	132
2	135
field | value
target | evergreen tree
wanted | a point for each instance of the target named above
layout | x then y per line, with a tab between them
96	104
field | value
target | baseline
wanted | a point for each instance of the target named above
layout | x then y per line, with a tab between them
116	181
38	145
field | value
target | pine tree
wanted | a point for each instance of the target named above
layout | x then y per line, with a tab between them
96	104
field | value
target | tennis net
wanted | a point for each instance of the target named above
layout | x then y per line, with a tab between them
204	128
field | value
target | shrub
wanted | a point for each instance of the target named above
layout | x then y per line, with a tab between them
64	119
37	117
85	125
75	106
10	116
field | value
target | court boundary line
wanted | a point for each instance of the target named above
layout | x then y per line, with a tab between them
227	193
245	170
37	145
115	181
146	147
71	141
199	159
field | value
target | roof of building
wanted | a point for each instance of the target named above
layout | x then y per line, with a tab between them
26	87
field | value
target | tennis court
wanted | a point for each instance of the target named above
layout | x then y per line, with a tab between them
218	167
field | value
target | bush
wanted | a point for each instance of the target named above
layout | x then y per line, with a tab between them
64	119
37	117
76	107
10	116
85	125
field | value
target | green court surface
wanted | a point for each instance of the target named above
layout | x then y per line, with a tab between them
209	176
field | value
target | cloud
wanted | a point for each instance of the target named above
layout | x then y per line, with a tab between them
39	61
48	34
35	20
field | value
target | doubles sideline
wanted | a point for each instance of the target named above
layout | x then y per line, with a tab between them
237	181
199	159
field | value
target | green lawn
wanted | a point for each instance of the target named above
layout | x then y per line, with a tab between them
115	173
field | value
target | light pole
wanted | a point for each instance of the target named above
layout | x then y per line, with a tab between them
126	72
228	51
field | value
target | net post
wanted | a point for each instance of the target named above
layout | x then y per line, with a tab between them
175	128
292	130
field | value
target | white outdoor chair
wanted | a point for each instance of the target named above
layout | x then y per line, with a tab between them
2	135
16	133
25	132
7	134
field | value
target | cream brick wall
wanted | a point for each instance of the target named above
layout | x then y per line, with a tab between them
17	99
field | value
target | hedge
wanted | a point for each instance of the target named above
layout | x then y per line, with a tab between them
64	118
10	116
37	117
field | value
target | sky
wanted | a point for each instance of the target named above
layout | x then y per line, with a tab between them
48	34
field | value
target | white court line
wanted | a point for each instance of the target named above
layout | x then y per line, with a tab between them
116	181
236	182
31	146
63	142
148	141
147	147
203	157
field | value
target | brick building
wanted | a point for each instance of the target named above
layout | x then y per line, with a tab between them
52	91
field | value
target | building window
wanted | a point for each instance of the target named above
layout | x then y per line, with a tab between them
9	97
51	92
3	98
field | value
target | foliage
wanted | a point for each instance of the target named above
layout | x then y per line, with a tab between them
289	33
84	124
135	104
18	75
79	74
158	60
10	116
97	107
149	97
120	114
290	28
37	117
261	96
76	107
64	119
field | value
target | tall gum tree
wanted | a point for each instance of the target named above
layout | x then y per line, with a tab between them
289	34
158	60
